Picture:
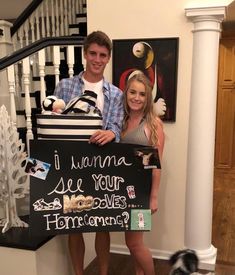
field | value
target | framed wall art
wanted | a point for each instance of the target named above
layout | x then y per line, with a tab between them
158	59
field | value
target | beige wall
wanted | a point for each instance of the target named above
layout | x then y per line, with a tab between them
155	19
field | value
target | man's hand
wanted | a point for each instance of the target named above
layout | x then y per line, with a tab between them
102	137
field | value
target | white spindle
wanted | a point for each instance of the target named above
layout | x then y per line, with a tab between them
17	82
83	59
31	20
57	18
70	58
83	5
20	35
26	32
18	86
42	21
41	61
56	62
61	18
66	24
73	9
14	40
47	19
69	12
48	30
26	79
53	28
11	83
77	8
37	25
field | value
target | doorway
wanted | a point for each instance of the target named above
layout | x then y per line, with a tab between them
224	177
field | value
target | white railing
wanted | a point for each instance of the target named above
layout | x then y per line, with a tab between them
51	18
26	87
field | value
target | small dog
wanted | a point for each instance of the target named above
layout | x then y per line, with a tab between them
184	262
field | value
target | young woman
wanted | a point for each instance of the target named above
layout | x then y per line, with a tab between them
142	126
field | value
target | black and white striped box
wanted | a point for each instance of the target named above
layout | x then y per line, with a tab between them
67	127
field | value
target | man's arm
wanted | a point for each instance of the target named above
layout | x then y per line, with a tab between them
116	116
58	92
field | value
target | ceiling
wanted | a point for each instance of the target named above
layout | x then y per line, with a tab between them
230	12
11	9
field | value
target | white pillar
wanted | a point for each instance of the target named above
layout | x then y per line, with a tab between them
5	49
200	169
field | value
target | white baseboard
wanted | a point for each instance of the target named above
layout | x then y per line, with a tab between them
157	254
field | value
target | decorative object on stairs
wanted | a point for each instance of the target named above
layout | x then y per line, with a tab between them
14	182
79	120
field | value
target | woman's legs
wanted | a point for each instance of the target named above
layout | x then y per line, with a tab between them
102	247
141	254
77	251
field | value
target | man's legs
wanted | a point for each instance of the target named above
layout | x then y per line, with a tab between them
102	246
77	251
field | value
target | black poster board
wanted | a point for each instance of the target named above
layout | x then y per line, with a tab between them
82	187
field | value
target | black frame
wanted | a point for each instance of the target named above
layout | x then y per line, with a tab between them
158	59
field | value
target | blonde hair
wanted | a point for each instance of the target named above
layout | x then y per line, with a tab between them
149	114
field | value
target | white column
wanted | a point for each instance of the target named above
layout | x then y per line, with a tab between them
200	169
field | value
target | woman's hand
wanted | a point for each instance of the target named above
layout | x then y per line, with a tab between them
153	204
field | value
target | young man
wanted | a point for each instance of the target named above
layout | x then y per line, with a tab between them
97	53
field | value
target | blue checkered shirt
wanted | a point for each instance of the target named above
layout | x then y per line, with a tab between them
113	111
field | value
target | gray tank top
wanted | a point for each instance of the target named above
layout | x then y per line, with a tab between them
136	136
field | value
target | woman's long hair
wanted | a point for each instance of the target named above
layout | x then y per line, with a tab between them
148	112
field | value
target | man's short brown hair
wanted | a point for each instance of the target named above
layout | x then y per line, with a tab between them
100	38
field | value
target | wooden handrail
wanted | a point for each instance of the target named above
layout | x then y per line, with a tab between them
38	45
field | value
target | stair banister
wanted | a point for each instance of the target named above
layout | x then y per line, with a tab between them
25	15
38	45
21	58
45	18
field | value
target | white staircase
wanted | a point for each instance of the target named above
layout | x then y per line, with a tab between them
47	46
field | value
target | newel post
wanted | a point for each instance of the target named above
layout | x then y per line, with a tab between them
5	49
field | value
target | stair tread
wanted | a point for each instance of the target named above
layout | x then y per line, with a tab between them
76	25
36	78
79	15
